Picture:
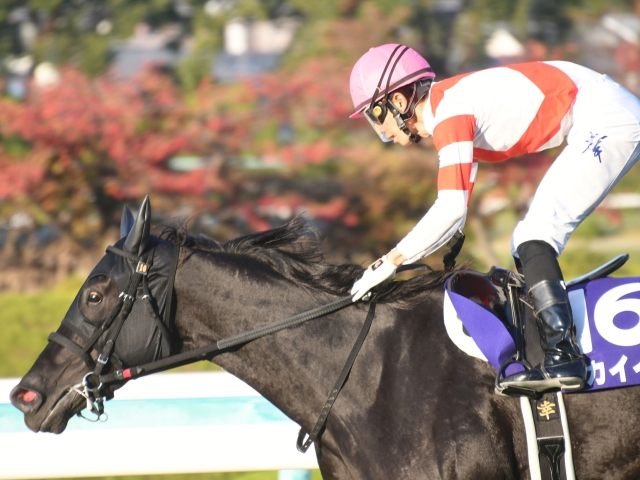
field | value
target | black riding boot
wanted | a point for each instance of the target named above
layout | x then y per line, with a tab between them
563	366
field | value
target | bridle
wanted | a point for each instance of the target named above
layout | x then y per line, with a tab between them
94	383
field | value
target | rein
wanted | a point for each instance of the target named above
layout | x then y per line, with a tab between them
202	353
93	382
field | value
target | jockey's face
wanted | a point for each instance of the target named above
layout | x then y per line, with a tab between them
416	126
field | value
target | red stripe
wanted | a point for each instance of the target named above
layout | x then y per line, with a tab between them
460	128
469	192
455	177
126	373
438	90
559	93
491	155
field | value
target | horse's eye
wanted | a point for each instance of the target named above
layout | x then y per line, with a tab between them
94	298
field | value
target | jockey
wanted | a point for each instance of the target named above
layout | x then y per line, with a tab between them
492	115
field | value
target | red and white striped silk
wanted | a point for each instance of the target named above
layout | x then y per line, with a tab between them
490	115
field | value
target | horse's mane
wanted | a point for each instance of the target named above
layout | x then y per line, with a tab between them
293	251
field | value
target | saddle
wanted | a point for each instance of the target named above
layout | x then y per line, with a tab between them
489	290
496	313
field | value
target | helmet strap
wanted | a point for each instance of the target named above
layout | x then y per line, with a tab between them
420	90
413	138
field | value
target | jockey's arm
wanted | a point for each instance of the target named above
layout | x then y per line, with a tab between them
395	257
443	219
453	138
441	222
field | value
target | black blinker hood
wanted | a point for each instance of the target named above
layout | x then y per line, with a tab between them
142	339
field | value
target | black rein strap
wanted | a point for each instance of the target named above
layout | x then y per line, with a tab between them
304	446
203	353
245	337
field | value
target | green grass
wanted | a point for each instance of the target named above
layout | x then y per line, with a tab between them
27	319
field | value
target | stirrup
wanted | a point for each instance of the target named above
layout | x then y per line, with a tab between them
548	385
510	390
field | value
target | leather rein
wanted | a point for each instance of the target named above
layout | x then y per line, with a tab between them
94	382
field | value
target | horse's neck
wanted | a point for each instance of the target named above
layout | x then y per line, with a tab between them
295	369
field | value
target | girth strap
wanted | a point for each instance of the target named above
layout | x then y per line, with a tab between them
74	347
324	413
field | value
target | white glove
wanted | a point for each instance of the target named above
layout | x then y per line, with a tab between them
380	271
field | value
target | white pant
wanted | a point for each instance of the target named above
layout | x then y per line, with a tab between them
602	146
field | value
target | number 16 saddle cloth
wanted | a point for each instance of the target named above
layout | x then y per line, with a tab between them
606	312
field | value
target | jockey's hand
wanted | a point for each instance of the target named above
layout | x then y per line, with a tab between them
380	271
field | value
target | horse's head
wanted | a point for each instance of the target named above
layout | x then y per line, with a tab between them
119	319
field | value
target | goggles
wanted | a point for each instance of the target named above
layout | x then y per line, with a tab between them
375	116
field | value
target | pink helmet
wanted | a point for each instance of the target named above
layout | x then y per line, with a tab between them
405	66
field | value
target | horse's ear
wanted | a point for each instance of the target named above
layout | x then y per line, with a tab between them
138	236
126	222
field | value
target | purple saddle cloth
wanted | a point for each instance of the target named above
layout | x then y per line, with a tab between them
607	317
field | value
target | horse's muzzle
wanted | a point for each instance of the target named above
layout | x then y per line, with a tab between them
26	399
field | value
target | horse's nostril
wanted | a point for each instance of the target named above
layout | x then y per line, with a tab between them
27	396
25	399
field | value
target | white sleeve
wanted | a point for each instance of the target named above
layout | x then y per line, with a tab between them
441	222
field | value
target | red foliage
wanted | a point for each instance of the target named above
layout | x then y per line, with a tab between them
18	179
86	146
109	138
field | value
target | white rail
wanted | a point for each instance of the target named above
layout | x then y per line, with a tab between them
161	424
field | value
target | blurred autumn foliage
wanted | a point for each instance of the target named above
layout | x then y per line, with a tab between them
235	157
265	149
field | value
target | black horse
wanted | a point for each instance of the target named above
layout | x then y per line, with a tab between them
414	406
